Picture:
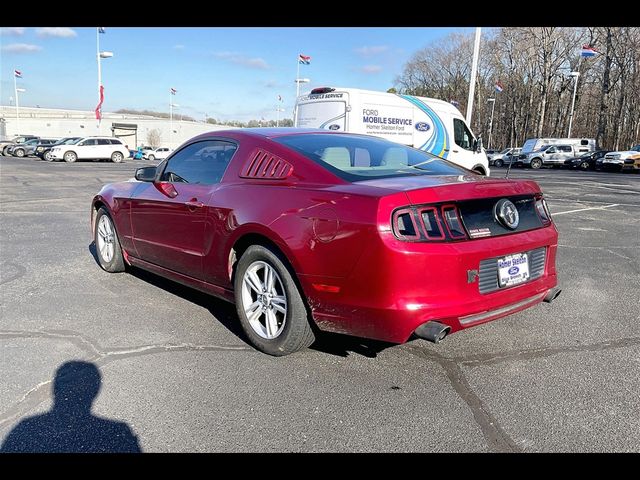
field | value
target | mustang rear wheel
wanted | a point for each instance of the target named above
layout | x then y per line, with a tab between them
270	307
107	243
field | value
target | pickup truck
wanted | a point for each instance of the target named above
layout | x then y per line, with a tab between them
554	155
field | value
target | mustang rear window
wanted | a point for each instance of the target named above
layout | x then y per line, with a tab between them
355	158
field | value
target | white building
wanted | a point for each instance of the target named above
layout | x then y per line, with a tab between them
133	129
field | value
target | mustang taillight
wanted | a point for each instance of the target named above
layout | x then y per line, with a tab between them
453	222
543	210
404	225
428	223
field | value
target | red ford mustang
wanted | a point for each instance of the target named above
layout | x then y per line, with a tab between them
311	230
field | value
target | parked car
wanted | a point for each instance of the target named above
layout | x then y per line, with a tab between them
347	249
586	161
505	157
617	160
92	148
548	155
4	146
28	148
491	152
158	154
44	151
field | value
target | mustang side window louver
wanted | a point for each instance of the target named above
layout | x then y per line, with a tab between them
265	165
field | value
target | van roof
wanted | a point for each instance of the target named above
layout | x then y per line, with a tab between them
361	90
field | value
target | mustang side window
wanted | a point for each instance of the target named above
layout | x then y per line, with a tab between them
201	163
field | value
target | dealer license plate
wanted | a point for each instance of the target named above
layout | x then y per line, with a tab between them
513	269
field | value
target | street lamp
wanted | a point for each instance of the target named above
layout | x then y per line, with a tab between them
493	106
573	101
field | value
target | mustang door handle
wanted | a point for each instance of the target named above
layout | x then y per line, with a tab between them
194	203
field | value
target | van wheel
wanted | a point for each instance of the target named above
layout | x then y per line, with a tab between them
70	157
151	158
536	163
116	157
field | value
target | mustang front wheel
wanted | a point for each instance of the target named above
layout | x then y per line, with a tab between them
107	243
270	307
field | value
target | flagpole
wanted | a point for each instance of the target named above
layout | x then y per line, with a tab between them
15	89
493	106
295	105
573	101
170	120
474	71
99	70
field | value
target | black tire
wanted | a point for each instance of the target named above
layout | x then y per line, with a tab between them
536	163
117	157
5	151
296	333
70	157
499	163
18	152
116	262
584	166
47	156
151	158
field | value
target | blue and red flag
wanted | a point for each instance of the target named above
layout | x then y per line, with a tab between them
499	87
17	73
304	59
588	51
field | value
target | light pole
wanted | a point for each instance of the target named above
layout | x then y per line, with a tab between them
295	113
573	101
100	55
493	105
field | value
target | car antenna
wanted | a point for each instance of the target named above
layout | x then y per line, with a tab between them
509	168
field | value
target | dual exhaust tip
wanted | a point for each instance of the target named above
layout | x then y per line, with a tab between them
436	332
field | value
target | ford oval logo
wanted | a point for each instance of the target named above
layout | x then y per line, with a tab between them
514	270
334	126
506	213
423	126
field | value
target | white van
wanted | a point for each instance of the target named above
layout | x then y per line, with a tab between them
424	123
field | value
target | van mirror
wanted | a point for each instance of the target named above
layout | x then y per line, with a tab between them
477	145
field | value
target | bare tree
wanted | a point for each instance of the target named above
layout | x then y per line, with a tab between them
154	138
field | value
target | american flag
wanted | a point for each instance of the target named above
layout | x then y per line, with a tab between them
17	73
173	91
588	51
304	59
499	87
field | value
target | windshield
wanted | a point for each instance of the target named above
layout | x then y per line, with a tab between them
505	151
31	142
356	158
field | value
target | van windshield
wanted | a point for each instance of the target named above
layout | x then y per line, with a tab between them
355	158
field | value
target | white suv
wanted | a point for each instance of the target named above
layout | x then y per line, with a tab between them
92	148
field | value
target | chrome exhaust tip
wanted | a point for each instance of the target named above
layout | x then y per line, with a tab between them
552	294
432	331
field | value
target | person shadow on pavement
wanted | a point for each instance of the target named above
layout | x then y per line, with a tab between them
70	427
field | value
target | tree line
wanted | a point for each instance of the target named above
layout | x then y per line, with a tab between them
534	65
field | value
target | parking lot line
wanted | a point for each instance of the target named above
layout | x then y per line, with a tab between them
584	209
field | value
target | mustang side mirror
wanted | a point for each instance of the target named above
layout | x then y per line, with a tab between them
146	174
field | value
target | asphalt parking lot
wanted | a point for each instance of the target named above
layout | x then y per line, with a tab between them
176	370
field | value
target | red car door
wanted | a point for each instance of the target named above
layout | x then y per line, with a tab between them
168	216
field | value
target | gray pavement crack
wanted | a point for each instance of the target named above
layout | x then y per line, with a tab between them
531	353
96	354
497	439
